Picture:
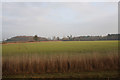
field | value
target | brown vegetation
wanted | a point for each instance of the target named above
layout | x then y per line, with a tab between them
30	64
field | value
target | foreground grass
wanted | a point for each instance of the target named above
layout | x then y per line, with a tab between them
61	59
103	74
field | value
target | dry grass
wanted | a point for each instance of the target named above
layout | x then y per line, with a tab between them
59	57
30	64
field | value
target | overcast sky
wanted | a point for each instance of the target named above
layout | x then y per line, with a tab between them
59	19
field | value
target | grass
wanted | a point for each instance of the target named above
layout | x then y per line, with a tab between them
60	57
104	74
61	47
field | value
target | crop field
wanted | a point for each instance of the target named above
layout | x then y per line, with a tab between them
65	58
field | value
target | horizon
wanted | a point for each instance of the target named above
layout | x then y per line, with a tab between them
59	19
55	36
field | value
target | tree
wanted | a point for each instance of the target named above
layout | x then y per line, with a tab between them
58	38
35	38
54	38
70	38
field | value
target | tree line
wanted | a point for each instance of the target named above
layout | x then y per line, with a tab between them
82	38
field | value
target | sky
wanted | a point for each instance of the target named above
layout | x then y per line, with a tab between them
48	19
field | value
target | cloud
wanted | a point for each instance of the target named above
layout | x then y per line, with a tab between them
59	19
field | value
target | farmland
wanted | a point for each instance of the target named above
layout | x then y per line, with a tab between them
60	57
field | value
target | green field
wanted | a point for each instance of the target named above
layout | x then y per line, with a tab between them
61	47
60	57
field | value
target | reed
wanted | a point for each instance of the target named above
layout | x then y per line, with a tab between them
30	64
